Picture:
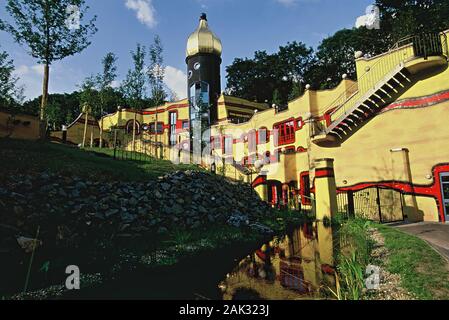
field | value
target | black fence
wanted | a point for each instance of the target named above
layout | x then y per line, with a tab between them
126	146
374	203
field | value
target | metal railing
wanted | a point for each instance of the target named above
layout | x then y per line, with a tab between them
421	46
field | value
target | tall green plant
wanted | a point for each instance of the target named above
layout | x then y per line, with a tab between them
135	84
156	72
43	26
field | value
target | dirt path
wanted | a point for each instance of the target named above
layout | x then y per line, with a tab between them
390	284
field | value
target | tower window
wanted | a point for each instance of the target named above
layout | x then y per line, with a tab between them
173	118
199	97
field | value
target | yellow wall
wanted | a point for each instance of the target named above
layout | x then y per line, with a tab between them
418	127
366	156
19	126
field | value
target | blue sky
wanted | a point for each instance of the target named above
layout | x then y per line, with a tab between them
244	26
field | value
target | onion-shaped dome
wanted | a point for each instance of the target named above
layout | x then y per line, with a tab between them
203	40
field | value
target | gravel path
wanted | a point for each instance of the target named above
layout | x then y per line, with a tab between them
390	284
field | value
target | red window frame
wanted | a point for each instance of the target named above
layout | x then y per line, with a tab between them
267	136
286	131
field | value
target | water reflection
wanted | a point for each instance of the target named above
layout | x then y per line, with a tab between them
299	265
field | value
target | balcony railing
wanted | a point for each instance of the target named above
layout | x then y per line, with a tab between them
385	65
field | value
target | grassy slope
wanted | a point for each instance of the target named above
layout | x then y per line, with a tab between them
27	156
423	271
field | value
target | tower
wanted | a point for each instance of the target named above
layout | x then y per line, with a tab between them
203	72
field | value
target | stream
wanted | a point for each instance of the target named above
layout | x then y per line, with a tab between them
298	265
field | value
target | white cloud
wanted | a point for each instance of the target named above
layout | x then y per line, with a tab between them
176	80
115	84
62	79
145	11
38	69
21	70
287	2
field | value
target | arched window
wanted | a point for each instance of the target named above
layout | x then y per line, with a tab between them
129	127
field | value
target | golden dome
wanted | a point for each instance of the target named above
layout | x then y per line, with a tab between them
203	40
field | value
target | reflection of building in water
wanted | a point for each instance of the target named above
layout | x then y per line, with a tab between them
292	267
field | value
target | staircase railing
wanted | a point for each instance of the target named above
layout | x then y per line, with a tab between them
404	50
373	75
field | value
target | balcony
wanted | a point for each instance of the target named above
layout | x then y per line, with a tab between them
383	81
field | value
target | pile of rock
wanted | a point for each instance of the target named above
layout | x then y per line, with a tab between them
69	207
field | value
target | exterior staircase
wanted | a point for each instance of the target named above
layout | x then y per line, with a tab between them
388	76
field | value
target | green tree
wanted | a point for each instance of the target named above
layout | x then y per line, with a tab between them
259	77
105	81
276	100
89	95
401	18
134	86
10	93
43	25
156	72
61	109
335	55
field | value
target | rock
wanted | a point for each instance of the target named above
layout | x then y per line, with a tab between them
3	192
127	218
238	220
162	230
80	185
111	212
157	194
165	186
176	209
196	224
124	226
260	228
28	244
18	210
133	201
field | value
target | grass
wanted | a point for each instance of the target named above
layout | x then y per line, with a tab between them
354	256
423	271
19	156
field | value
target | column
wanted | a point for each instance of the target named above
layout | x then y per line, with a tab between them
325	189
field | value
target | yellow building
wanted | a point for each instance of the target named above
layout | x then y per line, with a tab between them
386	133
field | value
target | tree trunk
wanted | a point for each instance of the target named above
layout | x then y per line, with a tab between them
44	100
134	131
85	127
101	132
